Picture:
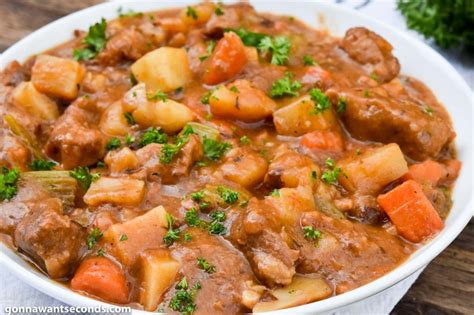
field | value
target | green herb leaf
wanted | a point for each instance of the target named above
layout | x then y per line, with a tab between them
158	96
249	38
218	11
191	218
129	13
228	195
183	299
123	237
42	165
205	265
321	101
309	61
172	234
330	175
213	149
275	193
245	140
94	236
114	143
129	139
94	42
341	105
216	227
279	47
187	237
83	176
210	48
130	120
191	12
8	182
153	135
285	87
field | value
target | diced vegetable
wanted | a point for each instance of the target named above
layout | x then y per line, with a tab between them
26	96
427	172
371	171
204	131
113	122
120	161
59	183
323	140
244	167
453	167
291	202
411	212
25	136
300	117
227	60
301	290
164	69
241	101
197	14
121	191
58	77
158	273
100	277
143	232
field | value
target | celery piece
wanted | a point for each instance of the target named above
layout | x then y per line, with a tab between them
25	136
204	131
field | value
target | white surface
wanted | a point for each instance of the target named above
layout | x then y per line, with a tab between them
446	85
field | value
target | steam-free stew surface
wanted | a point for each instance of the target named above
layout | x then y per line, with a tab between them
214	159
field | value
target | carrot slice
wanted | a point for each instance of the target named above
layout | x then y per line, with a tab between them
411	212
227	60
426	172
323	140
453	167
101	277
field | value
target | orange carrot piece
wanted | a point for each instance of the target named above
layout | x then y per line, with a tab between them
453	167
100	277
227	60
323	140
411	212
426	172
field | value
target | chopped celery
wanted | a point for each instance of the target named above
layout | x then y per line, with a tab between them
59	183
204	131
21	132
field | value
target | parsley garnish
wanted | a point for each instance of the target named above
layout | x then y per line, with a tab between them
187	237
123	237
330	175
129	13
158	96
309	61
8	182
172	234
83	176
311	233
341	105
321	101
205	97
114	143
101	252
94	236
314	175
191	12
129	139
278	46
210	48
168	151
234	89
428	110
218	11
192	218
94	42
245	140
275	193
285	87
213	149
374	77
153	135
216	226
205	265
249	38
42	165
197	196
183	299
228	195
128	116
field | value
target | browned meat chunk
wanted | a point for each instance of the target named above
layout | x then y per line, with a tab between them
50	238
13	153
221	290
75	139
370	49
126	44
392	113
231	19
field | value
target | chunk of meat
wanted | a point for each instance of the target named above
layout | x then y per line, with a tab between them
13	153
75	139
128	44
364	252
13	74
262	76
221	291
50	238
370	49
231	19
389	113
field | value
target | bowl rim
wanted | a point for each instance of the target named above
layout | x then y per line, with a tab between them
433	248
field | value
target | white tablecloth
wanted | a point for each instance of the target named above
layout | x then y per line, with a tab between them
15	293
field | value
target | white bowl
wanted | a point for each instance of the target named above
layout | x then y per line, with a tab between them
417	60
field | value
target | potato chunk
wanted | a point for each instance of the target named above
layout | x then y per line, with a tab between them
158	272
244	167
121	191
299	118
198	14
241	101
27	96
113	122
301	290
132	237
164	69
122	160
371	171
58	77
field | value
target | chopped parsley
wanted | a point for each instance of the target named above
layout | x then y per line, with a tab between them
285	87
198	195
330	175
133	79
314	175
129	139
94	236
158	96
191	12
311	233
153	135
228	195
321	101
192	218
183	299
83	176
374	77
130	120
100	164
172	234
216	226
8	182
94	42
341	105
366	93
309	61
278	46
101	252
187	237
129	13
428	110
210	48
123	237
213	149
218	11
114	143
275	193
42	165
168	151
234	89
249	38
244	140
205	265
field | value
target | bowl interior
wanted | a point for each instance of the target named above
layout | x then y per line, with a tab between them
416	59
